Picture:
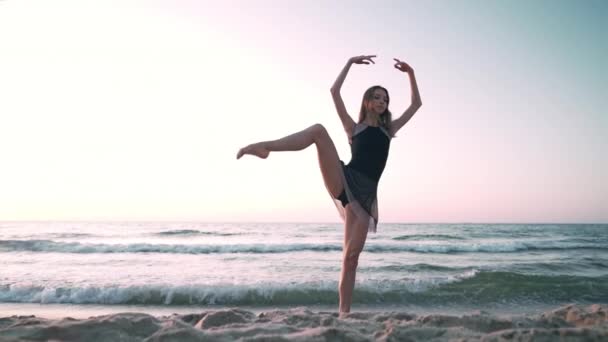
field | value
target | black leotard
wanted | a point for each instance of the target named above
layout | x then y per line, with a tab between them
369	152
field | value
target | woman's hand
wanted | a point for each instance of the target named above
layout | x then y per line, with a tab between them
362	59
402	66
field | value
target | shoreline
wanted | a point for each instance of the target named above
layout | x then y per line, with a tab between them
575	322
81	311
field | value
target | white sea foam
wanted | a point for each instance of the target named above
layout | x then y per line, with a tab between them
419	247
209	294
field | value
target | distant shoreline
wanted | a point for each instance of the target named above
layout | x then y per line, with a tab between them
286	222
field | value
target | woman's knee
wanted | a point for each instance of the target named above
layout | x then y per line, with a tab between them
351	258
319	131
353	249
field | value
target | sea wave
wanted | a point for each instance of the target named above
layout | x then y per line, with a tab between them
421	267
75	247
190	232
471	288
446	248
428	237
571	267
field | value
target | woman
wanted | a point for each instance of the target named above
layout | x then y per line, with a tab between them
354	186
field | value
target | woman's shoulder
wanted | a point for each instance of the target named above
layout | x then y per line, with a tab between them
359	127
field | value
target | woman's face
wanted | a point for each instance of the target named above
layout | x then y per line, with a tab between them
378	103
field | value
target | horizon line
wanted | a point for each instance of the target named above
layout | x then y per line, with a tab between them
287	222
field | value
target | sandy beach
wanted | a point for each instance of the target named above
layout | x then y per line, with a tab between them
568	323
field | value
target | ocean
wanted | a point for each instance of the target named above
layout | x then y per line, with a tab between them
60	269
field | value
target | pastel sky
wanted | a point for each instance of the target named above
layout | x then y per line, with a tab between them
134	110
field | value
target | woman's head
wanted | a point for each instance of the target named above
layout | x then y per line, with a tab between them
375	103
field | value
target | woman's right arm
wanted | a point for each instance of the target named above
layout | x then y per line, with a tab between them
347	121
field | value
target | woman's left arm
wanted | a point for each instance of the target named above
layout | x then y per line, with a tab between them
416	101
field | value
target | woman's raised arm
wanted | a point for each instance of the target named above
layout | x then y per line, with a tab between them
347	121
416	101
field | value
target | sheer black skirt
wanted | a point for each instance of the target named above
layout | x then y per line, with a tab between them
360	191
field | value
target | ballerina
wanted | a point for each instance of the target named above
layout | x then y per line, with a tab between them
353	186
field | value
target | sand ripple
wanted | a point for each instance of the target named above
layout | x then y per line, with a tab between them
569	323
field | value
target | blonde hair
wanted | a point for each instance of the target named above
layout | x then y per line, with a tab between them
385	118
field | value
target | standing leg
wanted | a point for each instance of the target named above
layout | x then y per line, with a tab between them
355	233
329	161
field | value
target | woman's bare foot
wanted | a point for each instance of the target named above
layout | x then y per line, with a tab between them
257	150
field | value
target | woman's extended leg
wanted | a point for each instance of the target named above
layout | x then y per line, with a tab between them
329	161
355	233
